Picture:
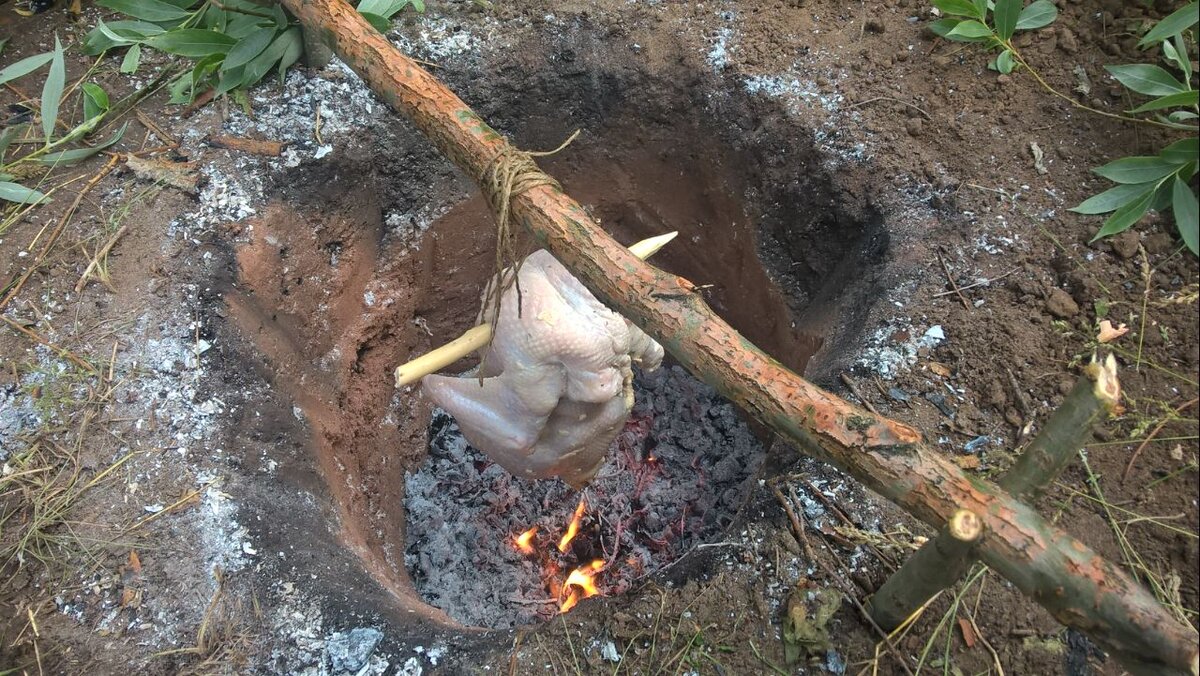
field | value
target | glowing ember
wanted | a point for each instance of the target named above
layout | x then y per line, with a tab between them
573	527
570	601
524	540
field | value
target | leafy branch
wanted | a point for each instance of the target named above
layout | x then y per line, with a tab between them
1157	182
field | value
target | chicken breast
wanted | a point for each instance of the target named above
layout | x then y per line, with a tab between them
557	381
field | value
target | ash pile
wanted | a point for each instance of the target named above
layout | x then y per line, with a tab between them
496	551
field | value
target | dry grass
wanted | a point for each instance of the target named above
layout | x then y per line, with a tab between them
224	637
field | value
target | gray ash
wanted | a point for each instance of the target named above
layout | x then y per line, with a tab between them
675	476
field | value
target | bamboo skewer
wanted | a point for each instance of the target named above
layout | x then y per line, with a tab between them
478	336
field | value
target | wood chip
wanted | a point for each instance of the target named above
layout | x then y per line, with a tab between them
967	461
135	563
155	128
940	369
968	633
247	145
181	175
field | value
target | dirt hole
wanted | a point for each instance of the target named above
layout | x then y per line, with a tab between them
379	255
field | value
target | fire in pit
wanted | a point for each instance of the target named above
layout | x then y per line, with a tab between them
496	551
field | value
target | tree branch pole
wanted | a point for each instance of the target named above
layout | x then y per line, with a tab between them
947	557
1064	575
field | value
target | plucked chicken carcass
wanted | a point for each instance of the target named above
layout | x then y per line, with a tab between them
557	380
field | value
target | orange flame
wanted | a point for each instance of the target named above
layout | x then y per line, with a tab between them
524	540
573	527
582	578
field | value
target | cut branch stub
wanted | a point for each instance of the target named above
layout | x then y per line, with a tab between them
1064	575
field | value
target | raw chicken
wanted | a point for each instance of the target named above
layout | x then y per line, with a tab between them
557	381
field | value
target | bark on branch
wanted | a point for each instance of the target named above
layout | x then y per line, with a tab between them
1061	573
947	557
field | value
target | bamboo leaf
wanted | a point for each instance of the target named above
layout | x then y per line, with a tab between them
1145	78
293	50
262	64
146	10
1182	152
1136	169
129	64
1005	63
1005	17
192	42
1113	198
1038	14
52	90
1172	24
15	192
377	22
6	138
959	8
95	100
1188	98
65	158
1187	214
248	47
969	31
1125	216
942	27
25	66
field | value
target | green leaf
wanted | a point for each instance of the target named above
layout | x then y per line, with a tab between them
3	42
419	5
1182	152
1136	169
129	64
1039	14
942	27
230	80
1188	98
181	4
959	8
66	158
1187	214
242	25
1005	62
1171	55
192	42
248	47
105	36
1179	116
52	90
14	192
1172	24
146	10
293	50
1005	17
262	64
1145	78
377	22
1113	198
6	138
281	18
95	100
1125	216
970	31
25	66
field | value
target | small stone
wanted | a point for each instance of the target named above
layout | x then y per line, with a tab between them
901	57
914	126
875	26
350	651
1060	304
1159	242
1067	40
1003	79
1125	244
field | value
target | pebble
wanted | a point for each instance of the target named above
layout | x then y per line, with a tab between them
1067	40
1125	244
350	651
914	126
1060	304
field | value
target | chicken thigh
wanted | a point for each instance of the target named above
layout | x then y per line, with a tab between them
557	381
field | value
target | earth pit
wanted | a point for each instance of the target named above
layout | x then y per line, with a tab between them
368	260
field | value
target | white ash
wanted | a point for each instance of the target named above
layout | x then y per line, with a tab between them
896	345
